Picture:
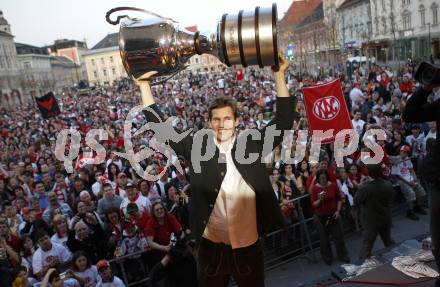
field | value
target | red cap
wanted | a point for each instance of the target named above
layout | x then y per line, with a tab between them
102	263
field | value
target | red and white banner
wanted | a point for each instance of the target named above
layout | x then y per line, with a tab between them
326	108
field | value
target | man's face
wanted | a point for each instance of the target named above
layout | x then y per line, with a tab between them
108	191
39	189
223	123
79	185
85	196
81	231
357	116
44	243
131	193
122	180
106	274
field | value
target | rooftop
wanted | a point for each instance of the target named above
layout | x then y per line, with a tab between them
29	49
111	40
299	10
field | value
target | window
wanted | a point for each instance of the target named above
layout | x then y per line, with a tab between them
102	61
377	25
93	62
422	15
434	8
114	71
95	74
111	59
197	60
406	20
27	65
384	24
104	72
406	2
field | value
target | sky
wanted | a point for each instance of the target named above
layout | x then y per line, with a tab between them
40	22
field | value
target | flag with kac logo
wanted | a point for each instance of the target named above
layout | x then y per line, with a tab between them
326	108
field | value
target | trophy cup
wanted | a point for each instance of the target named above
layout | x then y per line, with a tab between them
248	38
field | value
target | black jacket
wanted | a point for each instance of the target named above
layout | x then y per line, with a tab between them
375	199
206	184
94	245
417	110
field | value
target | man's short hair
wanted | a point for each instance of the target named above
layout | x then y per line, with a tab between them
221	102
40	233
375	170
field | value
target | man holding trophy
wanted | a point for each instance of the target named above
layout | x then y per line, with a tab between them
232	202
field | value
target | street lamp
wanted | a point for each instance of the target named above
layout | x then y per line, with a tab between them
429	43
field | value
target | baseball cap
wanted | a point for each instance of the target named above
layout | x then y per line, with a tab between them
405	148
130	185
102	263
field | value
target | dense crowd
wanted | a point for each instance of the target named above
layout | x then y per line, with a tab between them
59	228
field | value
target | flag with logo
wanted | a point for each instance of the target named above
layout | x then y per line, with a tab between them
48	105
326	108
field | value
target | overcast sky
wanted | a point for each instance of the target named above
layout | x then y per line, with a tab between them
40	22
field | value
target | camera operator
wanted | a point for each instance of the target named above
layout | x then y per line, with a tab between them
177	268
419	110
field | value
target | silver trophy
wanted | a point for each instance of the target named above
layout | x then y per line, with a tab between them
158	44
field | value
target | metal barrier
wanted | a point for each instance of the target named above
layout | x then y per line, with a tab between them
281	246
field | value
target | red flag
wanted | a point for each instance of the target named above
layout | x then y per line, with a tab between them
326	108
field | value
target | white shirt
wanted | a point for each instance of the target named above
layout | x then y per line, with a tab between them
116	283
90	276
143	203
403	168
358	125
42	258
233	220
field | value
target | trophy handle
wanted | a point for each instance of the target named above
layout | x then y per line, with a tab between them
124	8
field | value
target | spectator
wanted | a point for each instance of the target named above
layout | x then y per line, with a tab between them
409	185
61	230
375	198
41	195
138	217
327	203
159	229
63	208
133	196
108	200
106	275
89	237
49	255
83	271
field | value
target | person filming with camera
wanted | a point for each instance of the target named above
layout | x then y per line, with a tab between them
422	107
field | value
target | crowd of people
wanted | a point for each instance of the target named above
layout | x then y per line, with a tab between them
61	229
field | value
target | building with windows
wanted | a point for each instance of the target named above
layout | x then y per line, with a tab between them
10	93
103	62
36	78
405	29
354	26
72	50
